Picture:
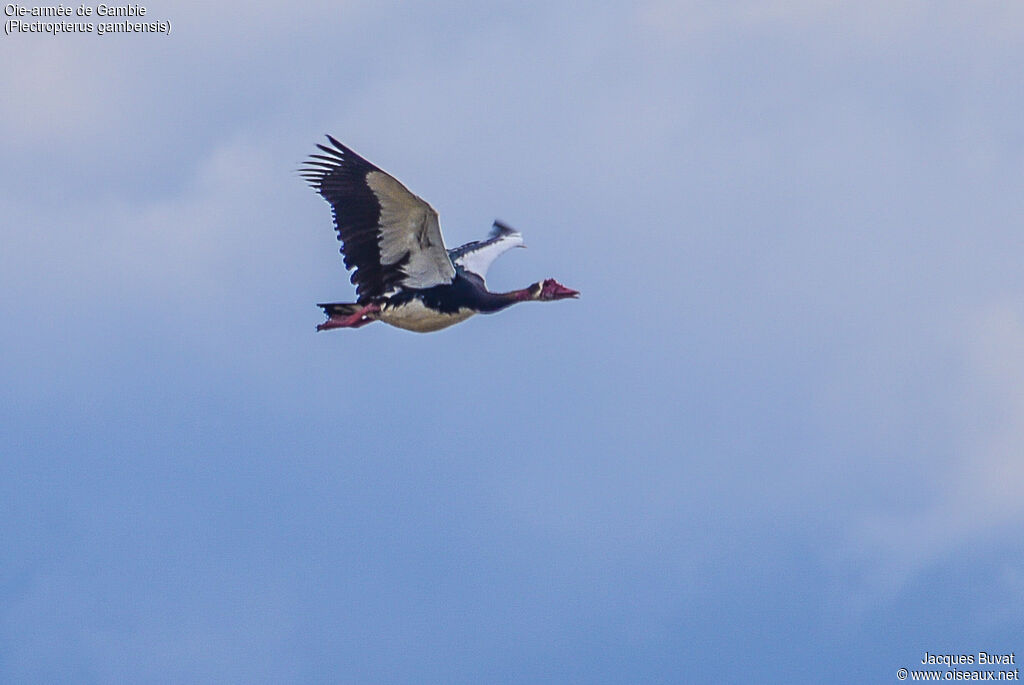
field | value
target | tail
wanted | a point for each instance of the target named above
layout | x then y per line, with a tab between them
339	309
347	315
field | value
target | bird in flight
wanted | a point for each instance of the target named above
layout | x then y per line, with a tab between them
391	240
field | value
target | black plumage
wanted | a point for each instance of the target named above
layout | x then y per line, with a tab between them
340	177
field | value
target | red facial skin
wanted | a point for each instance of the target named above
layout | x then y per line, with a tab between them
545	291
553	290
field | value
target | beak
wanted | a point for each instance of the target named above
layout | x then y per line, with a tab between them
566	292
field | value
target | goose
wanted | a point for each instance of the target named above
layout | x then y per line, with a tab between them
391	241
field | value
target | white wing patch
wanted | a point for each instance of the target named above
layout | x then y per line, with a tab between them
409	225
477	259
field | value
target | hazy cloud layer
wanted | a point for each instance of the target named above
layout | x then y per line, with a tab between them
784	417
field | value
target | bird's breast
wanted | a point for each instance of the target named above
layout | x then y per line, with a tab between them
413	315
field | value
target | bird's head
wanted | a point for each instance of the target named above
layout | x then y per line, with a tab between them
550	289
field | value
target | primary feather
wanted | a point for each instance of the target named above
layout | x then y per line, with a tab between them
390	237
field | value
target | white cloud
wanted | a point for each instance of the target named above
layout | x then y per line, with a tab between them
975	494
872	21
55	87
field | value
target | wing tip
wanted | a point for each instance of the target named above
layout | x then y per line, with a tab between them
500	229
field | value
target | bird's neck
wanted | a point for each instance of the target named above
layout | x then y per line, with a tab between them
494	302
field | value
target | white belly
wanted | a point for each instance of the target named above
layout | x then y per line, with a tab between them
413	316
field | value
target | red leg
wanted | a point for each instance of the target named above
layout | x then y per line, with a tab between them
356	320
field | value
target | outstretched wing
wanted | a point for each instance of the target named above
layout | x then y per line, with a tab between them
477	256
389	236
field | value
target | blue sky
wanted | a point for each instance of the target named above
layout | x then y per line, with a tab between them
778	439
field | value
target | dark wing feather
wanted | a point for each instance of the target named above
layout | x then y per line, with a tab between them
390	237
